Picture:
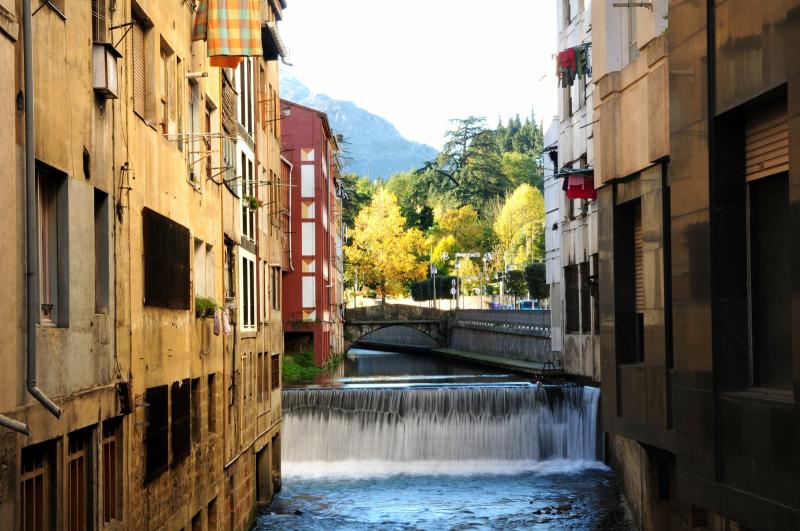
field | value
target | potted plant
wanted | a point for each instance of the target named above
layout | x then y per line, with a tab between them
253	202
204	307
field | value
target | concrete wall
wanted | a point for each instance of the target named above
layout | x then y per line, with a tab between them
573	223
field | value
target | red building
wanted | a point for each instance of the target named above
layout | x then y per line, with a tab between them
312	295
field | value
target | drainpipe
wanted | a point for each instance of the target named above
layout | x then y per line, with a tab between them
30	210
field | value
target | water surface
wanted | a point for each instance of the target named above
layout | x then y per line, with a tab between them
400	441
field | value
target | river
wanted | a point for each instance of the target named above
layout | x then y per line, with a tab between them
402	441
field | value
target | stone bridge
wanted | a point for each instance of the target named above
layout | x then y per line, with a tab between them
396	325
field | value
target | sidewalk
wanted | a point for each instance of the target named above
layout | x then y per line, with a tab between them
529	367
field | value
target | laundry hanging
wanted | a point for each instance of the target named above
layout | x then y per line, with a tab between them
580	186
571	63
232	29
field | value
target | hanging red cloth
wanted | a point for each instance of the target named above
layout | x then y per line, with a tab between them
567	60
581	187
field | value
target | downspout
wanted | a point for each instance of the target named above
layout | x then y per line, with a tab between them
30	211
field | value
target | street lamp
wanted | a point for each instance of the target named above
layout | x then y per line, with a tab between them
458	281
433	275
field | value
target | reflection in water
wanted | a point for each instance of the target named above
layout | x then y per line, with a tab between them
402	441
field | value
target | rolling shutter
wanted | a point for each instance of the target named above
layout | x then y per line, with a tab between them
638	262
139	84
767	144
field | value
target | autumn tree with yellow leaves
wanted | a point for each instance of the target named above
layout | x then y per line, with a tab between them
520	226
382	252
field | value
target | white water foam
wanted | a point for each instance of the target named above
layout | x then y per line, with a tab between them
356	469
449	429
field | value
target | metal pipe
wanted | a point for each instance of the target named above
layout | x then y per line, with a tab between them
30	211
15	425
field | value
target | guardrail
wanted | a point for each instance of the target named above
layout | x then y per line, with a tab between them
525	322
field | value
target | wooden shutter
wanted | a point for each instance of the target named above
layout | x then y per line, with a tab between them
139	84
767	144
638	261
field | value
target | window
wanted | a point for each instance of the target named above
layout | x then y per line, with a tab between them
98	20
180	406
572	299
101	263
245	88
275	287
139	36
166	262
38	487
586	306
259	377
163	114
213	517
770	276
248	189
52	218
248	299
157	399
203	269
230	261
595	292
111	445
195	403
633	48
629	297
276	371
79	471
212	404
309	292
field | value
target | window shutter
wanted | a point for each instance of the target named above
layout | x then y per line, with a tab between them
637	258
139	84
767	144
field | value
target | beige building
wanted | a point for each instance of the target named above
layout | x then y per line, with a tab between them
156	189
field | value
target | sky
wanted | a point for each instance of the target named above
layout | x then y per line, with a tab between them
421	64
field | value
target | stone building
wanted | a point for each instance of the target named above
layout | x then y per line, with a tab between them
142	157
571	238
313	295
697	105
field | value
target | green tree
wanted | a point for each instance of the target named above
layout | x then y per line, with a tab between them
412	196
520	225
467	171
356	194
536	280
385	253
515	284
522	168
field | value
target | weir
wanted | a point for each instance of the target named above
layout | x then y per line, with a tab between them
423	423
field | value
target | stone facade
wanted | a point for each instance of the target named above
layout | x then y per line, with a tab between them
141	207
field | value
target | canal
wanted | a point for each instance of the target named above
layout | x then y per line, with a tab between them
409	441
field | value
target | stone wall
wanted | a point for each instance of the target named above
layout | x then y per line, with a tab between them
521	335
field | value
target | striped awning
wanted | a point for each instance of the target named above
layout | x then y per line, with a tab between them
232	29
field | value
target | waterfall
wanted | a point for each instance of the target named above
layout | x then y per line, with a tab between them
412	424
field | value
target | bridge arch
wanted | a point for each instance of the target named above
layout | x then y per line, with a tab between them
402	335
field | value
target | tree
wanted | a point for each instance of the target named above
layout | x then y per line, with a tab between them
356	194
522	168
467	171
520	225
536	280
412	196
385	253
463	224
515	284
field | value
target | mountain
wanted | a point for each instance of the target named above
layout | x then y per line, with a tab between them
372	145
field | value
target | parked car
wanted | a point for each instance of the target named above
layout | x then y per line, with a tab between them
529	305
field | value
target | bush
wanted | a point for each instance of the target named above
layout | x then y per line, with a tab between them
299	367
204	307
537	281
422	290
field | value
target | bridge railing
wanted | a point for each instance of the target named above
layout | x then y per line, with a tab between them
529	322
